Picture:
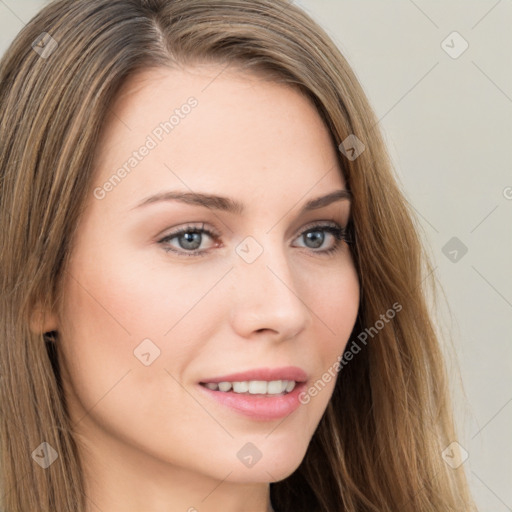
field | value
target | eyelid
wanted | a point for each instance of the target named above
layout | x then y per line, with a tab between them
318	223
209	228
188	226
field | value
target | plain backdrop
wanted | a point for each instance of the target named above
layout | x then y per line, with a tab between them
439	77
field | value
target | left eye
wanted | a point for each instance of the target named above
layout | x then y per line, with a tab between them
190	238
312	235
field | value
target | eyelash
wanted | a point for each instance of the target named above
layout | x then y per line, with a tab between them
339	233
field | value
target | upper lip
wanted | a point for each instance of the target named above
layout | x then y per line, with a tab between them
269	374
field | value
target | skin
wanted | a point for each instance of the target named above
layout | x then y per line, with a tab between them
149	439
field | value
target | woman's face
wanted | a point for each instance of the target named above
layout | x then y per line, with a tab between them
149	314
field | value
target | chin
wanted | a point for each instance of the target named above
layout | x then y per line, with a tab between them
273	466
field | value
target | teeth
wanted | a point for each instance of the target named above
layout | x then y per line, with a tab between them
290	386
273	387
254	387
241	387
224	386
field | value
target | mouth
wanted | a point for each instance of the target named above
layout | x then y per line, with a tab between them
253	387
262	394
258	381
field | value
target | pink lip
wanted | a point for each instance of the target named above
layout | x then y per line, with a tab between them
284	373
258	407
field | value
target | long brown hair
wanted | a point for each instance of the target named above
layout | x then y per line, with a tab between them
378	446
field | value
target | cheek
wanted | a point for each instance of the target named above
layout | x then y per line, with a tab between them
334	304
95	339
109	313
119	309
127	299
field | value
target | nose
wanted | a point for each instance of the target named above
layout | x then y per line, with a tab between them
266	296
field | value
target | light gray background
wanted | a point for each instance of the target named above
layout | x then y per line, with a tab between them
448	125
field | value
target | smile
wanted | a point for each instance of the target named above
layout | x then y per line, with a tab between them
253	387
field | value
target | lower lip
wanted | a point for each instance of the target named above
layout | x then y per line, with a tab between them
259	407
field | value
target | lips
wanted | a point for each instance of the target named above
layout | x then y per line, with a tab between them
268	374
258	407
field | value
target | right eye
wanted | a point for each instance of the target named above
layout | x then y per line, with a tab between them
189	239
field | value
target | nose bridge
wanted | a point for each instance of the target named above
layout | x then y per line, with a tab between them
266	295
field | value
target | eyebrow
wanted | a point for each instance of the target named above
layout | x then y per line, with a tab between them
214	202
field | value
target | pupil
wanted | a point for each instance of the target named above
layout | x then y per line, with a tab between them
313	234
189	239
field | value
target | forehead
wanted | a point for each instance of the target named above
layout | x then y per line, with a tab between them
244	132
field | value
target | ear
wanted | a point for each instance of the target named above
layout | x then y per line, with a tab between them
42	322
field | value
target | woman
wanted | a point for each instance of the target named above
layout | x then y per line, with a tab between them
212	286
